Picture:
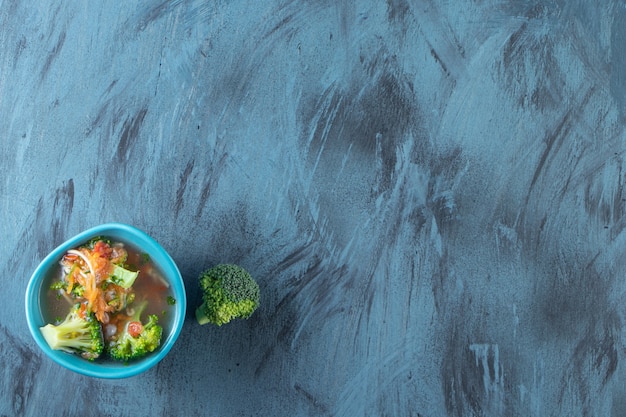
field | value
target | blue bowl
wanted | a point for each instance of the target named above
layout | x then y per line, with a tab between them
38	287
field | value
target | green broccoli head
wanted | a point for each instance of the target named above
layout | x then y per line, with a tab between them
137	339
229	292
79	333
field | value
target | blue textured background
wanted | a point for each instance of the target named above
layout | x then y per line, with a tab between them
430	194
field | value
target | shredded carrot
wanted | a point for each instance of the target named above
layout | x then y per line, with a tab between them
82	310
93	268
100	307
70	279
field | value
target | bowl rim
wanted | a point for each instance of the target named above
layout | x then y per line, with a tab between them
133	236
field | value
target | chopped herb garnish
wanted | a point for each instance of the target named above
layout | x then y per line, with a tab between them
58	285
171	300
145	258
96	239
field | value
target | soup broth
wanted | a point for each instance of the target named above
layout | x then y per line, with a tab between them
150	285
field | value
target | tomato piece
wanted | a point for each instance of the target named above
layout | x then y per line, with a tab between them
102	248
135	328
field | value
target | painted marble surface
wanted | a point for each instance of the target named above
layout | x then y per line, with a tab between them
430	194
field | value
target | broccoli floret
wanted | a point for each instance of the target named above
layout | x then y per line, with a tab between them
137	339
79	333
229	292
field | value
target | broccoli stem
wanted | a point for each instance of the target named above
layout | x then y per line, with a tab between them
200	316
138	310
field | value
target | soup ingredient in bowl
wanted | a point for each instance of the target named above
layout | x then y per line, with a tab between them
94	273
80	333
229	292
137	339
109	297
